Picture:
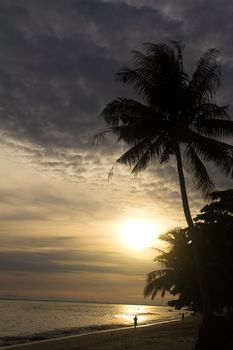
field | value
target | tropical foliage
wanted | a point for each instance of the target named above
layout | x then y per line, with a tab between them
216	224
174	112
177	274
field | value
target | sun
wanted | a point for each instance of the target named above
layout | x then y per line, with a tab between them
138	234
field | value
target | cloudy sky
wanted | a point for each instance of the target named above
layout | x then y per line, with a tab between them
61	220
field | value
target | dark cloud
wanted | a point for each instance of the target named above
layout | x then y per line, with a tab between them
58	60
47	97
72	262
57	65
29	243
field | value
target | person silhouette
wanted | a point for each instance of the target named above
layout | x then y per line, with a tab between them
135	320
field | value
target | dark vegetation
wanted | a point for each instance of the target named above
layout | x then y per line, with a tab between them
177	275
175	117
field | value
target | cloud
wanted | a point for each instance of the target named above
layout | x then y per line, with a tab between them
73	262
58	61
57	65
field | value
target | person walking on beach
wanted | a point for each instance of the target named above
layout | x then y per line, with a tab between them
135	320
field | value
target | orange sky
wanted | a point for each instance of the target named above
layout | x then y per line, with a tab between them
63	238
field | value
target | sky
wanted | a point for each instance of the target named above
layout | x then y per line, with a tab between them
62	221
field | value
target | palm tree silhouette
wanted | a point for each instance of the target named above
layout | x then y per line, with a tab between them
177	272
174	115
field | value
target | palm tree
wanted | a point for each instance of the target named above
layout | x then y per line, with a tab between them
176	274
173	116
215	221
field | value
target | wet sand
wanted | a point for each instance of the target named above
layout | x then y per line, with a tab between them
176	335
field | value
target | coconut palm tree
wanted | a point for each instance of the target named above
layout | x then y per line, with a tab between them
215	221
176	272
173	116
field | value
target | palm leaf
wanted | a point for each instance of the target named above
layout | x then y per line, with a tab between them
204	111
216	128
194	165
216	152
206	78
134	78
140	154
124	110
159	280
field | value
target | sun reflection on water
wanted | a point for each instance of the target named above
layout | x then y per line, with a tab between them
127	313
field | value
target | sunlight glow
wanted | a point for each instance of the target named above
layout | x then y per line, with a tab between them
138	234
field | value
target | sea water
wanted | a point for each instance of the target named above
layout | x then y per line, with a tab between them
24	321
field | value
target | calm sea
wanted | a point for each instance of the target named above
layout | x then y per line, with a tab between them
24	321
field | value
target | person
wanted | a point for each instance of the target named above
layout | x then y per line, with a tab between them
182	317
135	320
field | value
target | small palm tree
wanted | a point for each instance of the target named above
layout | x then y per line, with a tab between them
176	274
174	116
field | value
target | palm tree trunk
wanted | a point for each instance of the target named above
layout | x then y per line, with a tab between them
205	297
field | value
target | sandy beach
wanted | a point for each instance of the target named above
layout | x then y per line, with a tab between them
173	335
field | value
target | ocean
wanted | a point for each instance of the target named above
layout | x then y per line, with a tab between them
25	321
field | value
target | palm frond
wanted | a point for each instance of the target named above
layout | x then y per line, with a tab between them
206	78
124	110
135	78
194	165
130	134
100	136
171	235
205	111
137	131
165	155
214	151
159	280
133	155
141	154
216	128
158	74
179	48
143	161
168	61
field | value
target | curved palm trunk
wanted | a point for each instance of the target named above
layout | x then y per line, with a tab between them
206	304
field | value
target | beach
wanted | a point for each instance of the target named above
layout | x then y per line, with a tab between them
171	335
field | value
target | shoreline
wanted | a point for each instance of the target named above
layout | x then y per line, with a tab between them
127	335
74	335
